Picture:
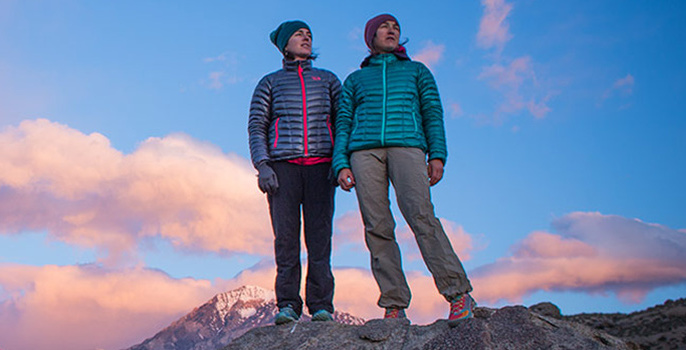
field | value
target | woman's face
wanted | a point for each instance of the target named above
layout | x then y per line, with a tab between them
387	37
300	44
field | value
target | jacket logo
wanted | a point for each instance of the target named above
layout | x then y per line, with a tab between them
316	78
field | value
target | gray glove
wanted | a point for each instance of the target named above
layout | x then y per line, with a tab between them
266	179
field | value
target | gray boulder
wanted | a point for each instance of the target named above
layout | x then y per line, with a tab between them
514	327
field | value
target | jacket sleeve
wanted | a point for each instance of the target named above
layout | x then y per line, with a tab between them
259	122
344	124
432	115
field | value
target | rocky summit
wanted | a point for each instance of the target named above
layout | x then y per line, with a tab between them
513	327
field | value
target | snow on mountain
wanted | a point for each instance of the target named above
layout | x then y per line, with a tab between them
223	318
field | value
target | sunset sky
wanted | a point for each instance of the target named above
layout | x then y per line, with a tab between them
127	197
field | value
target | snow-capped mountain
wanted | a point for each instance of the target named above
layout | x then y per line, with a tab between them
225	317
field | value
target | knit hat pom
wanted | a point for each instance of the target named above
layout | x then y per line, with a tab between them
280	36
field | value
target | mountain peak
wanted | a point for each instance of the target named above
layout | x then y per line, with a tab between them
223	318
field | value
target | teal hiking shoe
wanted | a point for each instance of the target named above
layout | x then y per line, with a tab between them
322	315
392	312
286	315
461	308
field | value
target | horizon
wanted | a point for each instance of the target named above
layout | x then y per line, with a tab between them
127	196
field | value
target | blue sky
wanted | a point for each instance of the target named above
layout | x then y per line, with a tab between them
123	134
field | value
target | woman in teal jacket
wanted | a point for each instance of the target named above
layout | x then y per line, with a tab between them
389	123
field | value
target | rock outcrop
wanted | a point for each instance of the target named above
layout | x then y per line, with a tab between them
661	327
513	327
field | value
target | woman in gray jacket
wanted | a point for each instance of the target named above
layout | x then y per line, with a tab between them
291	143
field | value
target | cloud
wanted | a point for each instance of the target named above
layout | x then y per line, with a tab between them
221	58
515	78
84	192
455	110
513	81
90	307
226	71
430	54
624	87
357	292
592	253
460	240
215	80
349	231
356	34
494	28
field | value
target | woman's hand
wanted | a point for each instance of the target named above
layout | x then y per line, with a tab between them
346	179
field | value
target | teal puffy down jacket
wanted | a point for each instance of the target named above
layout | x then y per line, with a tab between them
389	103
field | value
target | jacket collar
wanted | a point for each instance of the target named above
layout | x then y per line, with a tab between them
293	65
375	60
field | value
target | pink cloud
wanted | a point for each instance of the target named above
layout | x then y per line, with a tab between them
545	245
493	28
430	54
84	192
89	307
625	84
511	76
349	231
460	240
514	80
624	87
358	293
455	110
592	253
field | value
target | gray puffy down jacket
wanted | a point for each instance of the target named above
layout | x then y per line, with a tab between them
292	113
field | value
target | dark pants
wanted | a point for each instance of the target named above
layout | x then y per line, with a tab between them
309	186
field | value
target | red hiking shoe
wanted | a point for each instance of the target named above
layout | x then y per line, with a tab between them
392	312
461	308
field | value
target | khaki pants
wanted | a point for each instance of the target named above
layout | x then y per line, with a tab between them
406	169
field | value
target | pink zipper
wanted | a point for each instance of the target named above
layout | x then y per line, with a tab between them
302	85
276	127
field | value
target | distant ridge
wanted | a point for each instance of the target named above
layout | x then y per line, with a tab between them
659	327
